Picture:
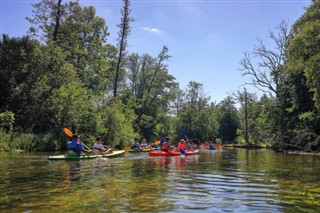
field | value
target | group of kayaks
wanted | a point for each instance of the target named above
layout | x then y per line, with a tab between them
152	152
118	153
173	152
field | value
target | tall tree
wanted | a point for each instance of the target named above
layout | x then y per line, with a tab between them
80	33
33	72
84	36
150	87
193	110
124	32
268	74
229	121
48	17
303	86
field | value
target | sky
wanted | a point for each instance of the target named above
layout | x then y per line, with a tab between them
206	38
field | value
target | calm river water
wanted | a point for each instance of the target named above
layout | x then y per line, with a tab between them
232	180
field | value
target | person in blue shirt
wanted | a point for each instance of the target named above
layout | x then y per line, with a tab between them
136	144
76	146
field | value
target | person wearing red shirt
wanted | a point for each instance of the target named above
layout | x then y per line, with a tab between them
182	146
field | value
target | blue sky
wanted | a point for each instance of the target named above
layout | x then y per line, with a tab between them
206	38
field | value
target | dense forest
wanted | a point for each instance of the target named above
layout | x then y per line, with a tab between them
65	73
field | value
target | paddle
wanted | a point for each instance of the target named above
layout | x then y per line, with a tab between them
69	133
156	143
182	152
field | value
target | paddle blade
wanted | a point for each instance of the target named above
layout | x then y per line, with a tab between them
182	152
157	142
68	132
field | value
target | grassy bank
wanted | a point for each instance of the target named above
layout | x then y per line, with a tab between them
28	142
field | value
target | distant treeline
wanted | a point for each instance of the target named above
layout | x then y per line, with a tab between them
65	73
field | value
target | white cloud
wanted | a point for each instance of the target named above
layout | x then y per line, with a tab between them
151	30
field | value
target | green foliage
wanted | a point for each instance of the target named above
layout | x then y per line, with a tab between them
11	141
27	142
83	36
73	107
228	120
47	142
118	120
67	81
258	118
6	121
195	113
150	89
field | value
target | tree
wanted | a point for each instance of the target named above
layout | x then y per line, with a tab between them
81	35
122	40
150	89
228	120
118	119
194	113
32	74
268	75
48	17
73	106
303	87
84	37
6	121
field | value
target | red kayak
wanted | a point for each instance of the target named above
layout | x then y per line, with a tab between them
174	152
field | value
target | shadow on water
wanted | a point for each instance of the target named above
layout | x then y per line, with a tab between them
233	180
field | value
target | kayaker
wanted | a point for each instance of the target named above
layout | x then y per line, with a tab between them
211	146
144	144
166	146
75	146
99	147
182	145
136	144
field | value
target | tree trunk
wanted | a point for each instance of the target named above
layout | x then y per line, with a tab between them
57	25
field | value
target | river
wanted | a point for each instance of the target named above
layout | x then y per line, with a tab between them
231	180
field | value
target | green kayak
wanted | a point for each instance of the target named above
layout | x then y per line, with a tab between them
114	154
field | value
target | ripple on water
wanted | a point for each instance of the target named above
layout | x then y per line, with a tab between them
228	181
225	192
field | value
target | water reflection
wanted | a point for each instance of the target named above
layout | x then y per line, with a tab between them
214	181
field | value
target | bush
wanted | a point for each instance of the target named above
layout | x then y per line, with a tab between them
27	142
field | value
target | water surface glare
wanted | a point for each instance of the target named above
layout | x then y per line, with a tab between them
232	180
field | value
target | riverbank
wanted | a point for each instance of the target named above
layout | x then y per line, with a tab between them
245	146
302	153
253	146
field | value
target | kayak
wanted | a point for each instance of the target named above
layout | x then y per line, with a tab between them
175	152
139	150
114	154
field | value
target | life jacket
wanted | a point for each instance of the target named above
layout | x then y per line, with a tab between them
181	146
75	147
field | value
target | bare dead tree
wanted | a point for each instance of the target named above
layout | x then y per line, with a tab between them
265	65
